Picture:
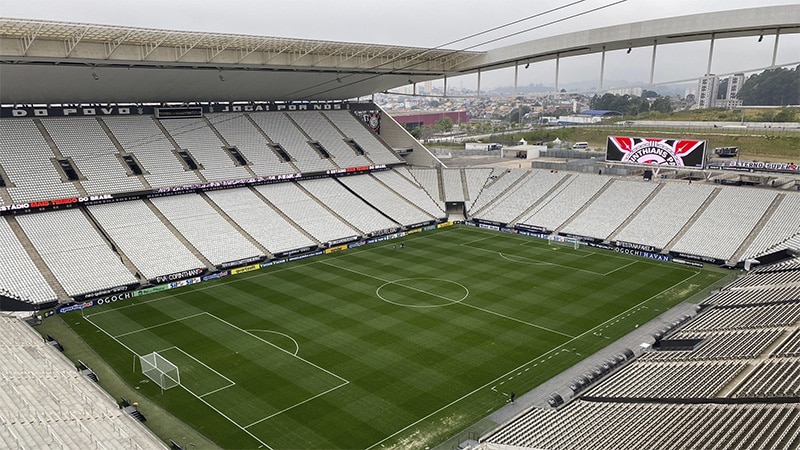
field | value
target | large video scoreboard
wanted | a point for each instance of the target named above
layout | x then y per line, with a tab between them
656	151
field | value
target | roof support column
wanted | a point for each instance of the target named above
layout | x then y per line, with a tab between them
710	54
445	85
602	67
558	63
775	47
653	62
479	82
516	77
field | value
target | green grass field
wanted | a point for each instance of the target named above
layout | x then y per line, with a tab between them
381	347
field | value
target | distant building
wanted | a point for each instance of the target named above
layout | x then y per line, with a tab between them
735	82
417	119
632	91
707	91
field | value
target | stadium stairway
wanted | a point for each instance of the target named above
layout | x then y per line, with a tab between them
691	220
327	208
177	148
635	213
543	198
5	197
178	234
227	144
311	140
122	153
402	197
344	135
54	148
585	205
355	194
113	245
737	255
284	216
266	136
34	255
235	225
464	185
512	187
439	186
440	180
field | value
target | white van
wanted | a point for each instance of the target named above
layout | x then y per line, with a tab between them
581	145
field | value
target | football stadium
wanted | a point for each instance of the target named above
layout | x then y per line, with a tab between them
291	269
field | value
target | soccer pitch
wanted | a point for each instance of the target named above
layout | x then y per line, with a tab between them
382	346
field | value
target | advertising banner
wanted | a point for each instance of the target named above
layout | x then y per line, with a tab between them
656	151
244	269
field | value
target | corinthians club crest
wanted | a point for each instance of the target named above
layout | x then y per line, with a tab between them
653	151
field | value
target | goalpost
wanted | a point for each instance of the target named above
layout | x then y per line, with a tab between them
160	370
557	240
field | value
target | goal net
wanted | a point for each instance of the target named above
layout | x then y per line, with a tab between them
556	240
160	370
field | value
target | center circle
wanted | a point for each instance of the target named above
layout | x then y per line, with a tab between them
422	292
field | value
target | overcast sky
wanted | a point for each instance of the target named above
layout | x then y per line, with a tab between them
431	23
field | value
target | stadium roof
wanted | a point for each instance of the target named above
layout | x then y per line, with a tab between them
55	62
46	62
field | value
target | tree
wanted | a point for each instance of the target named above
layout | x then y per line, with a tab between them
444	124
649	94
779	87
662	105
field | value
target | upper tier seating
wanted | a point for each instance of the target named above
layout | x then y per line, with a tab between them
30	164
283	131
196	137
319	129
353	128
83	140
240	132
140	136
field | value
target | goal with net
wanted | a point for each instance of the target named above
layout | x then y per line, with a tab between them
556	240
160	370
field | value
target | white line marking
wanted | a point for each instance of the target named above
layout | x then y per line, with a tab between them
454	302
296	345
187	390
281	349
159	325
296	405
217	390
491	382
